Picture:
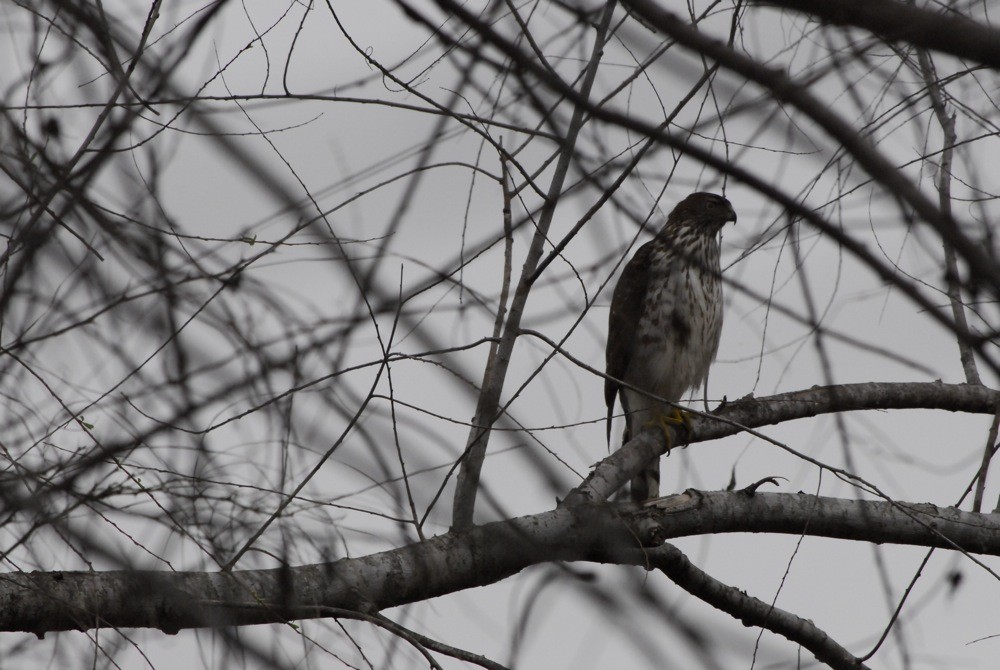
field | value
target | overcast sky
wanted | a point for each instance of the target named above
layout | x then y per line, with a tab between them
408	228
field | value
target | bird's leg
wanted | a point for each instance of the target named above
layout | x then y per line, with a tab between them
646	484
663	421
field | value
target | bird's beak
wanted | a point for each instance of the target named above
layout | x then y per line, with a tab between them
732	214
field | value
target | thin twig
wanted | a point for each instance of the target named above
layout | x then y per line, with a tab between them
952	281
889	627
417	522
991	448
329	452
953	284
436	645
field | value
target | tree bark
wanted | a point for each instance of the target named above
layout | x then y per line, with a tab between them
607	533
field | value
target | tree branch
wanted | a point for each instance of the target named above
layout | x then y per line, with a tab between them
952	280
752	612
42	602
612	473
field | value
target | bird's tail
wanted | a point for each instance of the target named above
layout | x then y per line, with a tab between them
611	409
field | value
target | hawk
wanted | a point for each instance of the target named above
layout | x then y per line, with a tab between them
665	322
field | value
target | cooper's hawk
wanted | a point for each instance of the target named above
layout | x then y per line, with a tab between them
665	323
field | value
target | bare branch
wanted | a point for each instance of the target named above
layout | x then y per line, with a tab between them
43	602
612	473
752	612
952	281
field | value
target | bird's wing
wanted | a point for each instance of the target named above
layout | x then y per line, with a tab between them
626	310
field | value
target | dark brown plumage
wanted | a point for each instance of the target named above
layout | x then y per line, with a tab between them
666	320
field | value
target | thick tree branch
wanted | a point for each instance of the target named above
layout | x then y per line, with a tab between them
707	512
171	601
612	473
581	531
751	611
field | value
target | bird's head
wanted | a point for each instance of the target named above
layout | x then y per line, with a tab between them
706	212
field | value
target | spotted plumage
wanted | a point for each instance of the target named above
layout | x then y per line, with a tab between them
666	320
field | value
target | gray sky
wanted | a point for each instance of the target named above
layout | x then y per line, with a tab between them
324	153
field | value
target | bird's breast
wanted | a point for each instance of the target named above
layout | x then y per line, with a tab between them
679	330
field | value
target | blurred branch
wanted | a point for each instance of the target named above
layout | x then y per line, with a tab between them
946	31
66	174
293	494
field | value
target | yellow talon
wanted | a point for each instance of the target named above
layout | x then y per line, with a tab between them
676	417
